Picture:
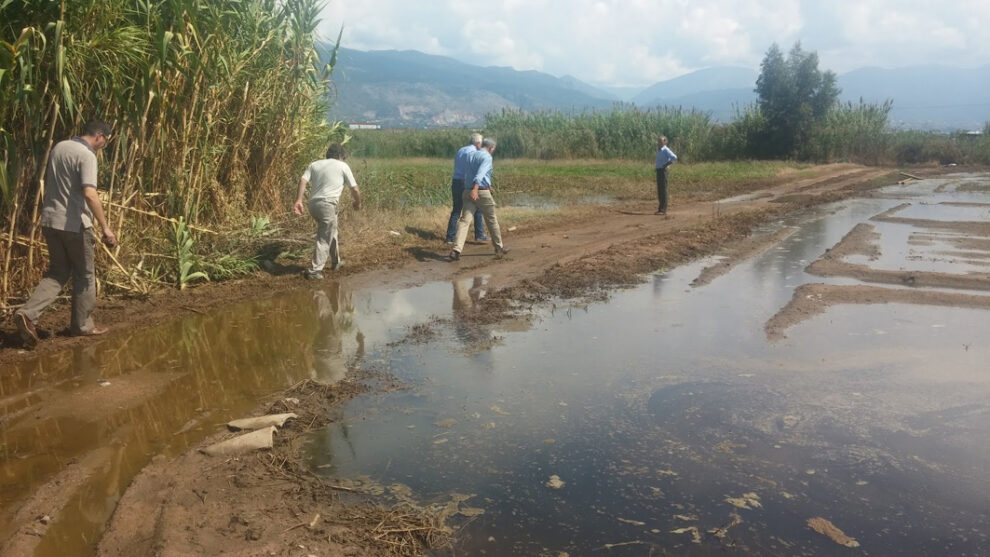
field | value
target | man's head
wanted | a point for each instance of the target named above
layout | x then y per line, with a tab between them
476	140
488	144
336	151
97	133
661	141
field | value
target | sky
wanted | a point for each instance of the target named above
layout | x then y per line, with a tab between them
635	43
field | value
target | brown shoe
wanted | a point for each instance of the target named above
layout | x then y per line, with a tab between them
29	334
454	255
95	331
499	252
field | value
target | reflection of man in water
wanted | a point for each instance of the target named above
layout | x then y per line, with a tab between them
474	334
335	311
466	297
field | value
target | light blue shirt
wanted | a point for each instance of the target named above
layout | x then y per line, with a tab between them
664	157
461	161
479	170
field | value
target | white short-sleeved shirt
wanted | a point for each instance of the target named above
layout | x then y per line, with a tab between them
71	167
327	178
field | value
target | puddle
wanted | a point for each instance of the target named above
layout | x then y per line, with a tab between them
663	420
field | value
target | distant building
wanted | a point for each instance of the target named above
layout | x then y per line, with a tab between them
364	126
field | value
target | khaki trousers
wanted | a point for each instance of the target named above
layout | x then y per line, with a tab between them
324	212
485	204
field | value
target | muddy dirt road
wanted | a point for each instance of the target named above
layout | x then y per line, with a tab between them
81	420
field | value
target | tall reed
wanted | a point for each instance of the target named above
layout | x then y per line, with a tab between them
215	105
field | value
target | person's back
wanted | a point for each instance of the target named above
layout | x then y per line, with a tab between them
71	164
327	178
478	159
461	161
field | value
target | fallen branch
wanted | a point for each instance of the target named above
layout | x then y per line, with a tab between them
156	215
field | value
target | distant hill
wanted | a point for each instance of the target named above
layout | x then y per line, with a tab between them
412	89
709	80
925	97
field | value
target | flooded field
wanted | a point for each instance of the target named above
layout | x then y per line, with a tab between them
829	392
666	419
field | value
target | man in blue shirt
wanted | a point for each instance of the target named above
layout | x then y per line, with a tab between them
479	196
665	158
457	191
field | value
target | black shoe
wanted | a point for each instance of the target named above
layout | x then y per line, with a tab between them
312	276
454	255
499	252
29	335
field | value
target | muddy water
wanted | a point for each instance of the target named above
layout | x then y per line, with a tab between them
662	420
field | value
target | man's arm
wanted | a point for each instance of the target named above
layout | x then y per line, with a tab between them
96	208
483	170
356	195
297	207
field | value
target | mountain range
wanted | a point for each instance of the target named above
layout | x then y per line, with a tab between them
412	89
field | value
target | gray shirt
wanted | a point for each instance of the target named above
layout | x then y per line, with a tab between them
71	167
327	177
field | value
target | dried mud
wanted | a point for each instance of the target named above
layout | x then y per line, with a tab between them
860	241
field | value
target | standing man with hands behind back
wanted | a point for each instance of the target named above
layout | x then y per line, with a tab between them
665	158
69	208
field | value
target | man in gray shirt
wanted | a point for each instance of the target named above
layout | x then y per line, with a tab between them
328	177
70	206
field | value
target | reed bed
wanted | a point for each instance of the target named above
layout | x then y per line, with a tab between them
215	104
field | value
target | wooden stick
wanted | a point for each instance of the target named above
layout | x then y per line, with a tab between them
130	276
909	175
156	215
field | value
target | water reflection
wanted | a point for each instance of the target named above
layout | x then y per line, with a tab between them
335	318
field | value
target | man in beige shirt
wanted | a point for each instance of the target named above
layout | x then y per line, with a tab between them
70	206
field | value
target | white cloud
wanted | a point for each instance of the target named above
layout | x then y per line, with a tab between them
640	42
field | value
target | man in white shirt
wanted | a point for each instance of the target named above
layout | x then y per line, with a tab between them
327	177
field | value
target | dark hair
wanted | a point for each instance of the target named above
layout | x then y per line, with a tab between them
336	151
94	127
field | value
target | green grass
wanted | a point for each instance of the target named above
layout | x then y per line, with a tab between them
394	183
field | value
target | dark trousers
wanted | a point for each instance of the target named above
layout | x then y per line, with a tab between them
662	189
71	255
457	192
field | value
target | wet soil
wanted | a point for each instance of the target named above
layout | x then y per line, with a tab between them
268	504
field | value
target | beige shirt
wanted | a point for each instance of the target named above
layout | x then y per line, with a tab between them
327	177
71	167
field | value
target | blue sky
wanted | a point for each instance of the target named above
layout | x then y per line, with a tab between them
636	43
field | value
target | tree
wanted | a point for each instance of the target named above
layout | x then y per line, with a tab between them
794	97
